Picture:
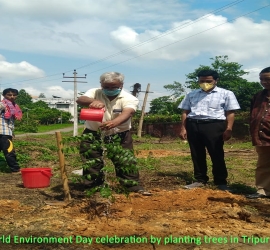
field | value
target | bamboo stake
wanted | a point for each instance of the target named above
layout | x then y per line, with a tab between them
62	166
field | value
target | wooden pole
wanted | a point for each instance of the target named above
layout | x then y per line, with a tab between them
139	132
67	196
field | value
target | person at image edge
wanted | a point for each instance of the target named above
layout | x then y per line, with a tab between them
260	134
10	112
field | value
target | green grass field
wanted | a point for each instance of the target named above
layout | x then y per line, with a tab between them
41	151
46	128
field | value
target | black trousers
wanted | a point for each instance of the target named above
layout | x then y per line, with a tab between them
6	145
202	136
129	179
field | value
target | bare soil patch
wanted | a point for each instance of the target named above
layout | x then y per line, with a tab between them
171	214
159	153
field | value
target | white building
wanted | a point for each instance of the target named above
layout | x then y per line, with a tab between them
64	104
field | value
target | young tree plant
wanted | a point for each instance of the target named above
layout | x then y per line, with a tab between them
124	159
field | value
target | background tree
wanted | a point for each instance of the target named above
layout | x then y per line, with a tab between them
165	105
230	77
24	99
177	89
37	113
230	73
41	95
40	104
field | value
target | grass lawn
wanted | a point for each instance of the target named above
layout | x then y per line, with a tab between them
46	128
240	157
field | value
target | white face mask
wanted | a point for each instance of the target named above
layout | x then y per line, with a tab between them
206	86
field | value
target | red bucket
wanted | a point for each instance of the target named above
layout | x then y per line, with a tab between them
92	114
36	177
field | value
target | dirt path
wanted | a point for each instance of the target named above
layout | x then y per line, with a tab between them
169	219
49	132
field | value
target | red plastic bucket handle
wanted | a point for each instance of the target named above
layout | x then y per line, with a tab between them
48	174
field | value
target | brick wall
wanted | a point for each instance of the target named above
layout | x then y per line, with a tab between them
240	130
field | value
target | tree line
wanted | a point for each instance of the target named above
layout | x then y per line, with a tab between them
37	113
230	77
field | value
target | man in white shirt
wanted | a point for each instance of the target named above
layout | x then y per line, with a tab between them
207	121
119	107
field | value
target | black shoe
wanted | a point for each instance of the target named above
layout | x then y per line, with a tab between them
256	196
224	187
195	185
93	180
93	183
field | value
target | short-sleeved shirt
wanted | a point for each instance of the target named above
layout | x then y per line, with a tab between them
7	125
260	119
209	105
112	109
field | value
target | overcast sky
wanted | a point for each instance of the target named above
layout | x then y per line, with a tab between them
149	41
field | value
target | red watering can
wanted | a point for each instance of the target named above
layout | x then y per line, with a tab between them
92	114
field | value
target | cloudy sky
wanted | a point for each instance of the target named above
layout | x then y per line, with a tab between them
150	41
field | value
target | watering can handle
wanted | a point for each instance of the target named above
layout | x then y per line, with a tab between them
46	173
99	108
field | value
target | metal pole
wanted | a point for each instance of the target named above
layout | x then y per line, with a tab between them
139	132
75	117
75	129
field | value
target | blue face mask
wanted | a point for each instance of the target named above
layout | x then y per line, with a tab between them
111	92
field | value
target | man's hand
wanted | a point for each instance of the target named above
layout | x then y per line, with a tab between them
227	134
183	134
97	104
108	125
183	131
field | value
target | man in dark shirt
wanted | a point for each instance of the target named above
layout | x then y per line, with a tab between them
260	133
